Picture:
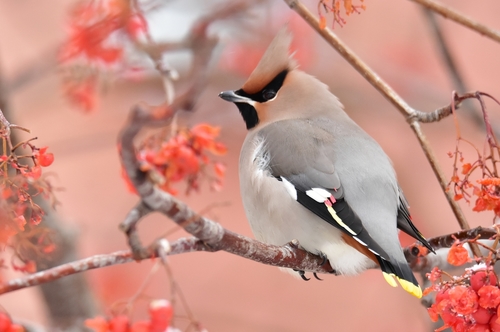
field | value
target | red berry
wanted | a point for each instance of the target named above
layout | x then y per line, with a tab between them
463	300
449	318
17	328
46	159
477	280
493	278
442	295
480	278
489	296
5	322
160	312
482	316
119	324
479	328
494	325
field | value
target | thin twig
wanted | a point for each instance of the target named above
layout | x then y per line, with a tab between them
452	69
444	51
409	113
446	241
460	18
176	291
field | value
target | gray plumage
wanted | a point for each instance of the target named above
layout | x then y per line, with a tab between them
308	172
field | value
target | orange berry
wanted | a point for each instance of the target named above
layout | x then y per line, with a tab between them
46	159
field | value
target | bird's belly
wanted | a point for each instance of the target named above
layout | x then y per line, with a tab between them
276	218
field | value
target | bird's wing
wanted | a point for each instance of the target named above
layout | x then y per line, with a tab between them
406	225
297	159
298	156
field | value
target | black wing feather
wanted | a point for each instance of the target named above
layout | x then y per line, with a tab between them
405	224
347	216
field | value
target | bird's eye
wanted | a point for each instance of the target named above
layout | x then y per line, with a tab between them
268	94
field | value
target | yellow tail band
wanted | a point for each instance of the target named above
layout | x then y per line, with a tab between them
407	285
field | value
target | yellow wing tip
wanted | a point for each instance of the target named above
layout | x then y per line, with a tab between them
406	285
390	279
411	288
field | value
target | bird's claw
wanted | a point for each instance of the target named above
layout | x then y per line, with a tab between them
303	275
316	276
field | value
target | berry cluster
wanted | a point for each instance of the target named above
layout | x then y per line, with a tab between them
21	180
99	32
169	159
160	317
469	302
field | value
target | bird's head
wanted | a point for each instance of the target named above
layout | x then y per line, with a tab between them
277	90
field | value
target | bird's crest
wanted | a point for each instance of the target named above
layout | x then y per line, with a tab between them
276	59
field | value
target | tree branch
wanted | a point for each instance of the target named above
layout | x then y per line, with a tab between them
460	18
452	69
288	256
412	116
412	253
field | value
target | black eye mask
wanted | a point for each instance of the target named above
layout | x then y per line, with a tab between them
269	91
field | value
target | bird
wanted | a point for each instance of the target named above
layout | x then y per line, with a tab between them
309	173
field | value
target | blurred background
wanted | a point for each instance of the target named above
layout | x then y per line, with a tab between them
226	292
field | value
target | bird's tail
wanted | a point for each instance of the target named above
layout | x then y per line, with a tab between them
400	271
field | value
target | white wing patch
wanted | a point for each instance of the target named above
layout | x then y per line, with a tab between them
318	194
290	188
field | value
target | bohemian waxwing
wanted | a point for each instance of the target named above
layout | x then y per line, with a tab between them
308	172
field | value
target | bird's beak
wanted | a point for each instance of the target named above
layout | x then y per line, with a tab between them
234	98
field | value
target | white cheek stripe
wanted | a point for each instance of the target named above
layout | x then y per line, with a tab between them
290	188
339	221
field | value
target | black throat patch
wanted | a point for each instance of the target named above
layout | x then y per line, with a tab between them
249	114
